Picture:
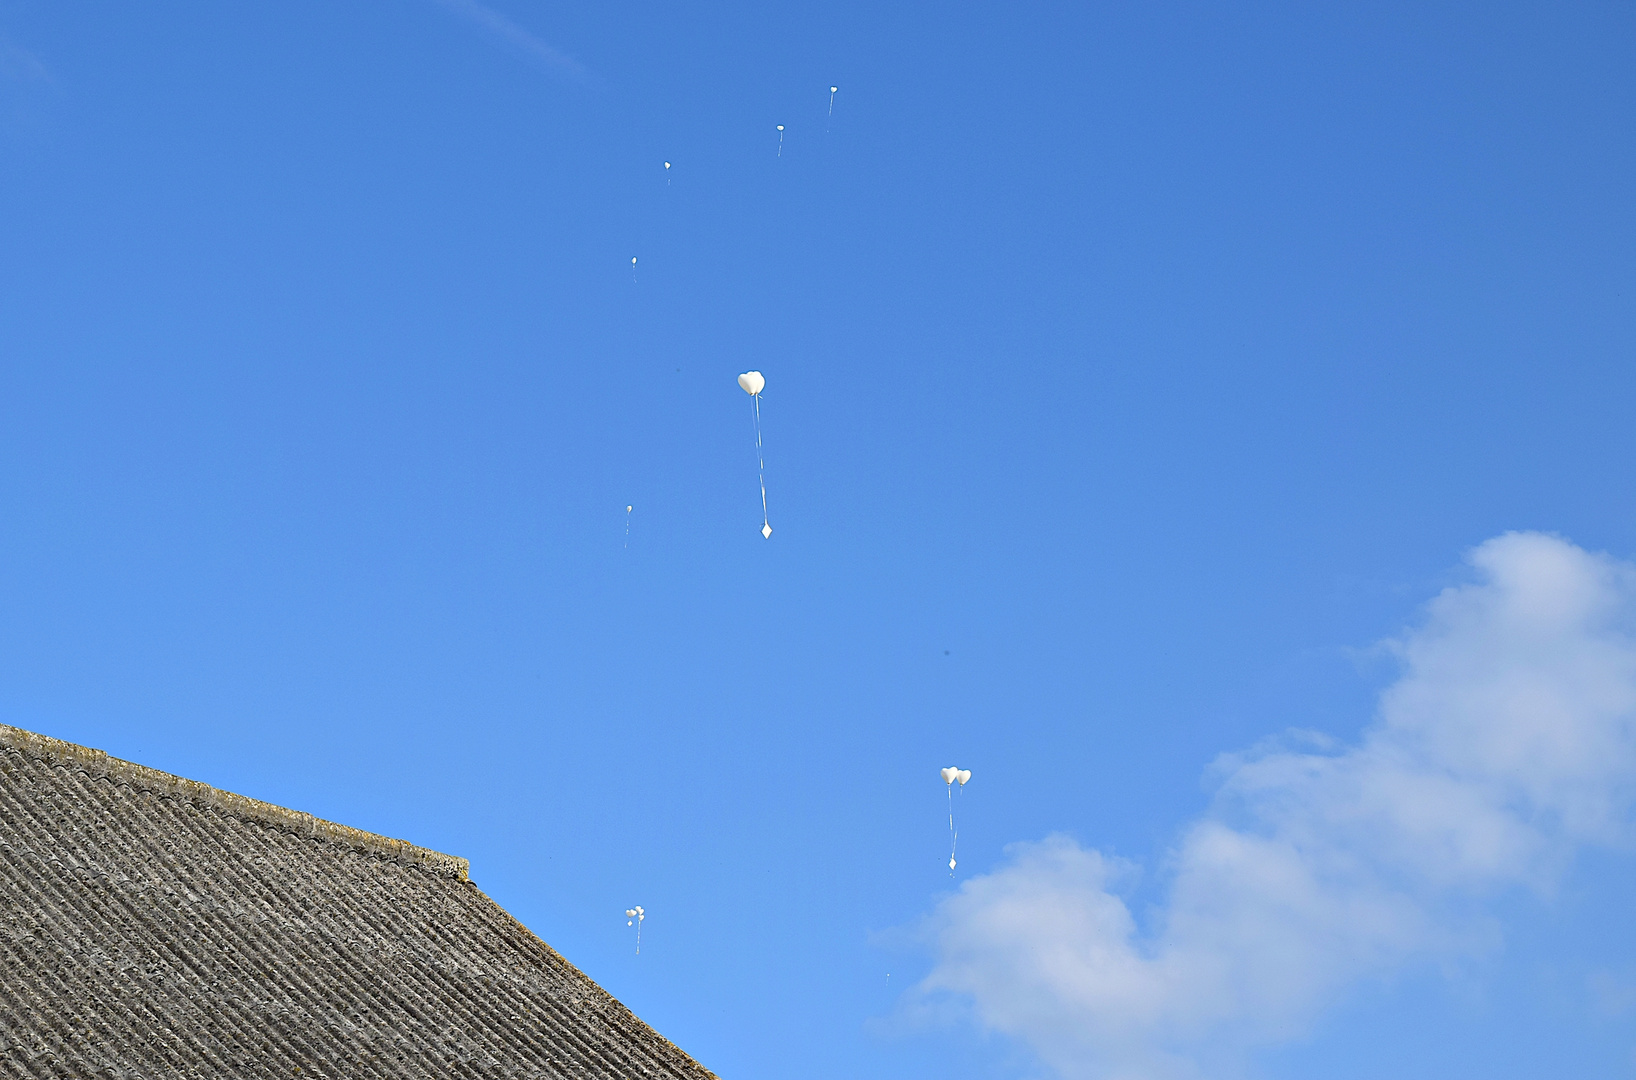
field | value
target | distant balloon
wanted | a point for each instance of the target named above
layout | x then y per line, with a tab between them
780	140
667	174
832	92
636	915
627	527
752	383
633	268
950	775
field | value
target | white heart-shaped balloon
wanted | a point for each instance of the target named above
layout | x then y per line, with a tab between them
950	774
752	382
965	774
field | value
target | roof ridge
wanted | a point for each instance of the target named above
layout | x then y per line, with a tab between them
98	763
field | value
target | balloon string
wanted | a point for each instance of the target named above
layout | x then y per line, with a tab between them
761	463
954	837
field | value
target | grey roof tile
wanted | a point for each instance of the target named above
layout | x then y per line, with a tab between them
155	927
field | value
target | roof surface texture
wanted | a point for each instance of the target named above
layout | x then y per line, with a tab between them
153	927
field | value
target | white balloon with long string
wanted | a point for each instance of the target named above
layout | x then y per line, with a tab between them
634	916
951	775
752	383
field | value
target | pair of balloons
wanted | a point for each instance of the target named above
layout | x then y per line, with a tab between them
950	775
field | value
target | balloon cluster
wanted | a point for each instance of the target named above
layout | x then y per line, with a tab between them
751	381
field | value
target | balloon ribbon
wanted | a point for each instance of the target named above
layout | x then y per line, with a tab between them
761	469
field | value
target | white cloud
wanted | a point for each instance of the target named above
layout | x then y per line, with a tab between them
1508	742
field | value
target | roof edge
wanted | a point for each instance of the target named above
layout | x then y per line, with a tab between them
99	764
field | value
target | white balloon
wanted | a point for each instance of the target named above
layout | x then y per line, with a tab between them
950	774
780	127
630	913
667	164
951	864
964	775
835	89
752	382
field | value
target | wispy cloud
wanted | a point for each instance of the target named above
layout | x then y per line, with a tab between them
1613	994
20	65
1507	743
514	35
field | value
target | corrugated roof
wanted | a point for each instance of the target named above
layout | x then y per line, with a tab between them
155	927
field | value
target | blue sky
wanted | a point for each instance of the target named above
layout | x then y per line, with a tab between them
1133	373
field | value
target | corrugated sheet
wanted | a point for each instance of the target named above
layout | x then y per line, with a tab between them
154	927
